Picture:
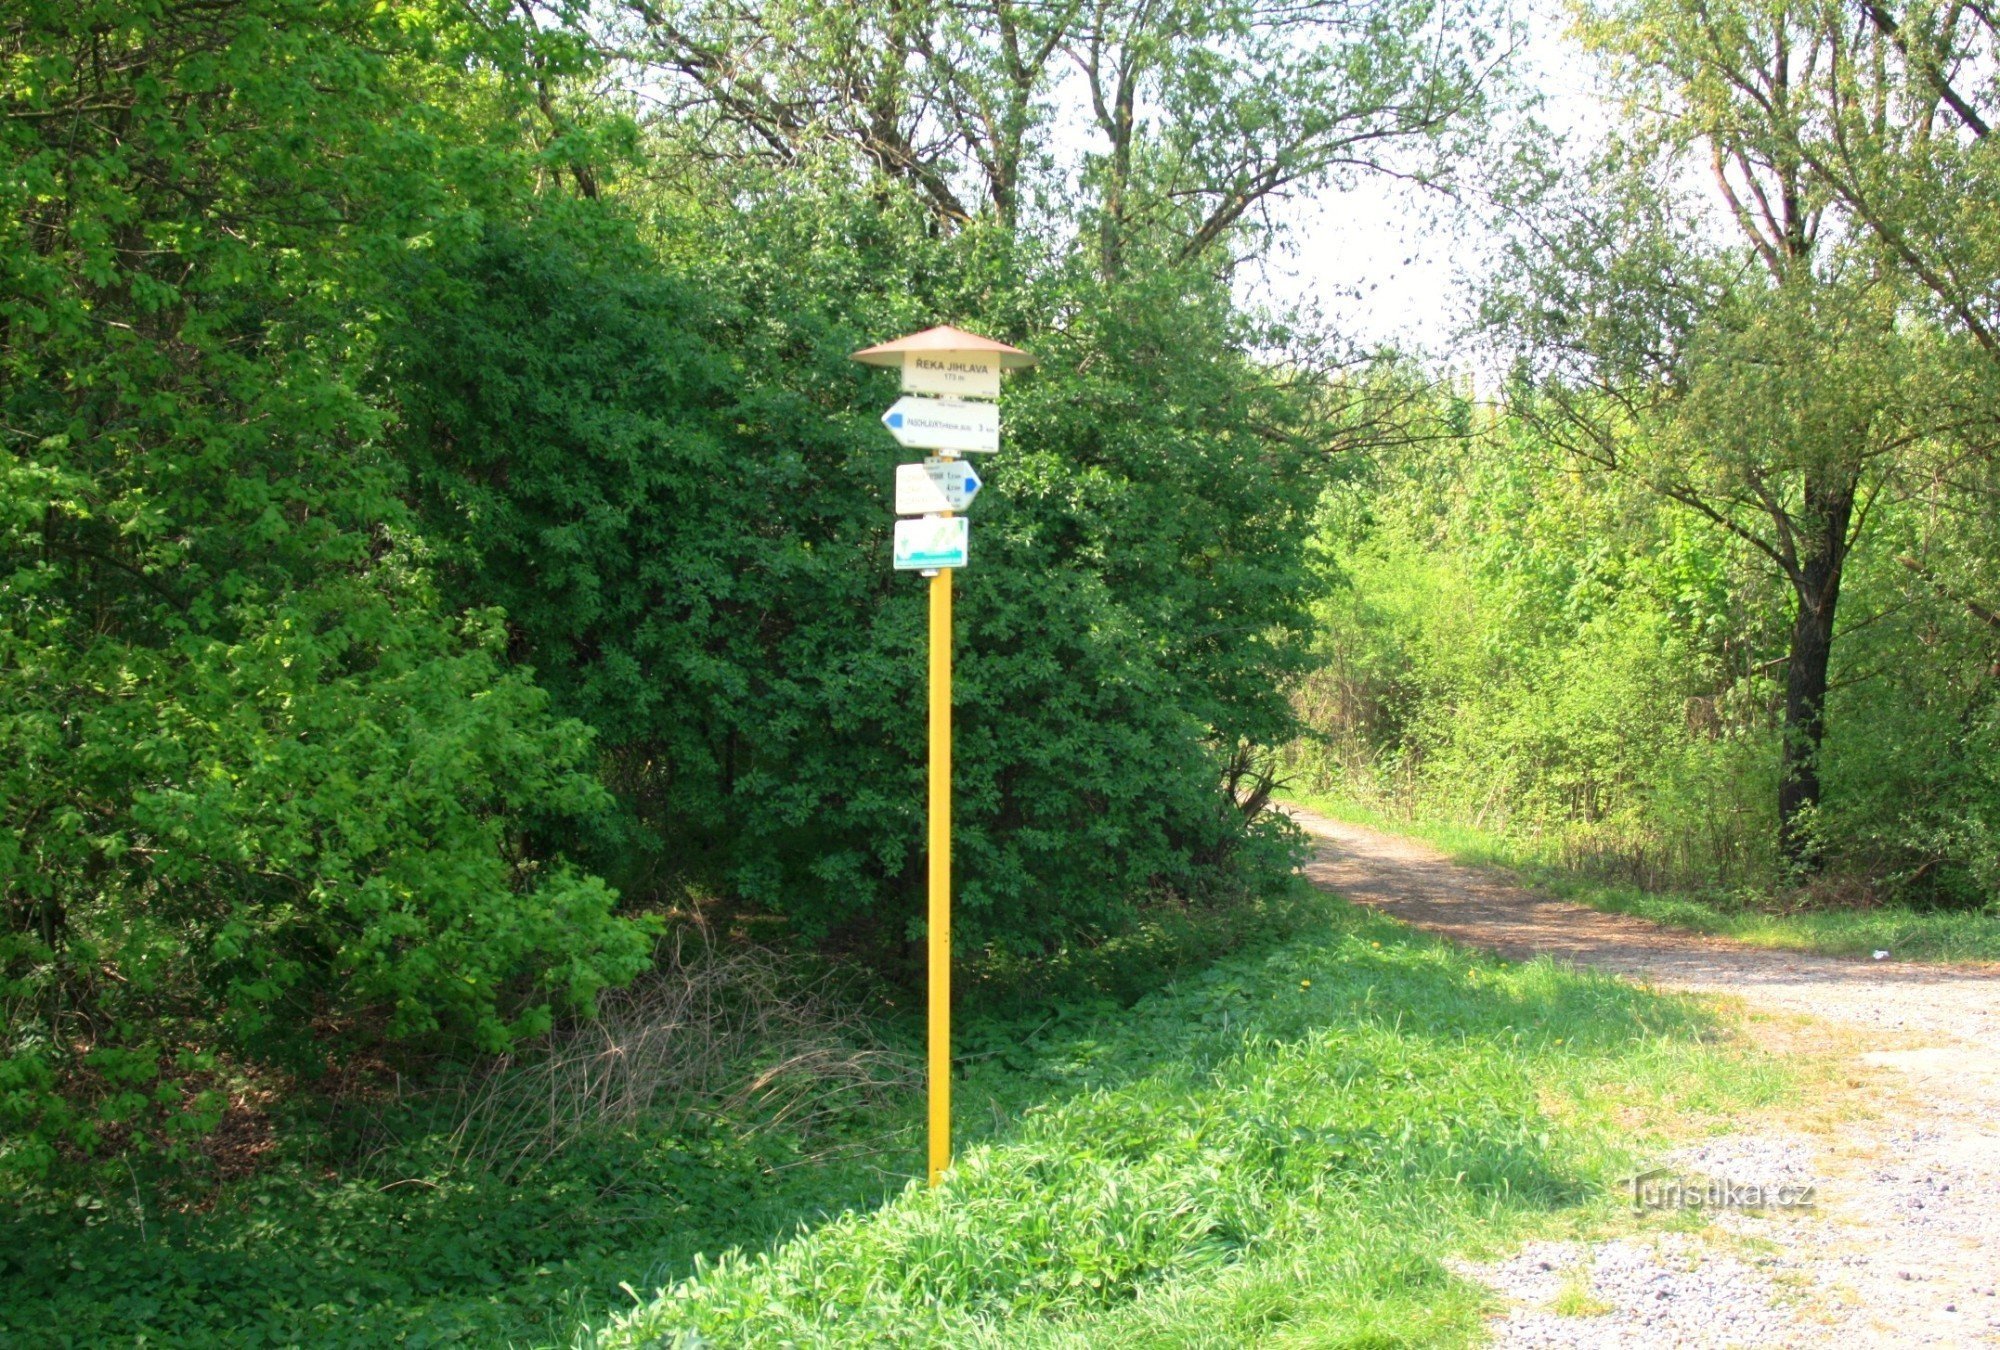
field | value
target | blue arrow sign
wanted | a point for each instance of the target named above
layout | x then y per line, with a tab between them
944	424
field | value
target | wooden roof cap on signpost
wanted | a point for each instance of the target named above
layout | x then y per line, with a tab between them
942	339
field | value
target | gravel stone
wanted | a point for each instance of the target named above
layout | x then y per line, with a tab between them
1667	1290
1905	1228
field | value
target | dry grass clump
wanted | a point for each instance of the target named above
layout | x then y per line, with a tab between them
736	1032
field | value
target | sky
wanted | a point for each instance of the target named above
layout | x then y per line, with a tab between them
1387	261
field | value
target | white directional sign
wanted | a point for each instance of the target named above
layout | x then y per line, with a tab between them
958	374
918	494
932	543
934	486
936	424
955	479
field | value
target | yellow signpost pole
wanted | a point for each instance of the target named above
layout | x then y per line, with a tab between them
940	876
950	379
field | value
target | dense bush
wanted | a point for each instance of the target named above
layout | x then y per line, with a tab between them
675	484
408	513
262	789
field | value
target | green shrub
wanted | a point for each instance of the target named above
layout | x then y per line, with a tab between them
266	796
1513	641
1509	645
676	485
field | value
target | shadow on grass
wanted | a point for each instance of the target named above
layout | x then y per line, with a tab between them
418	1247
1350	1070
1360	1080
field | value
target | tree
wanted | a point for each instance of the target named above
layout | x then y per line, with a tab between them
1200	113
1845	143
1884	112
1775	390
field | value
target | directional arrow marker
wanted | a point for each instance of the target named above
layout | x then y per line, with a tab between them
940	424
934	487
955	479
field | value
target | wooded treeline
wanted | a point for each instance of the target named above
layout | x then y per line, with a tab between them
441	532
1711	597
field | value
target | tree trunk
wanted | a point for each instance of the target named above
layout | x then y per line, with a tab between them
1816	584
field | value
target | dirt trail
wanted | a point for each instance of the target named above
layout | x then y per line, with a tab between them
1902	1244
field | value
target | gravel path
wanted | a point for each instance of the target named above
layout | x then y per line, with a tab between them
1901	1244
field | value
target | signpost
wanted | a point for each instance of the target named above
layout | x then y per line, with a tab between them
960	366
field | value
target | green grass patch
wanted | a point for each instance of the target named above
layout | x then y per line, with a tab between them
1906	933
413	1246
409	1220
1281	1149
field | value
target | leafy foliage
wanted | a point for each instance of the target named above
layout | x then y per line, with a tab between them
1559	658
1177	121
668	480
1778	354
1510	644
392	470
262	788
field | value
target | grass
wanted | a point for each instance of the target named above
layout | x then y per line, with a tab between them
1574	1299
1280	1150
723	1099
1908	934
1281	1147
413	1245
511	1207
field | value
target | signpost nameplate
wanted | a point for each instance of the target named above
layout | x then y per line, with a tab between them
954	374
